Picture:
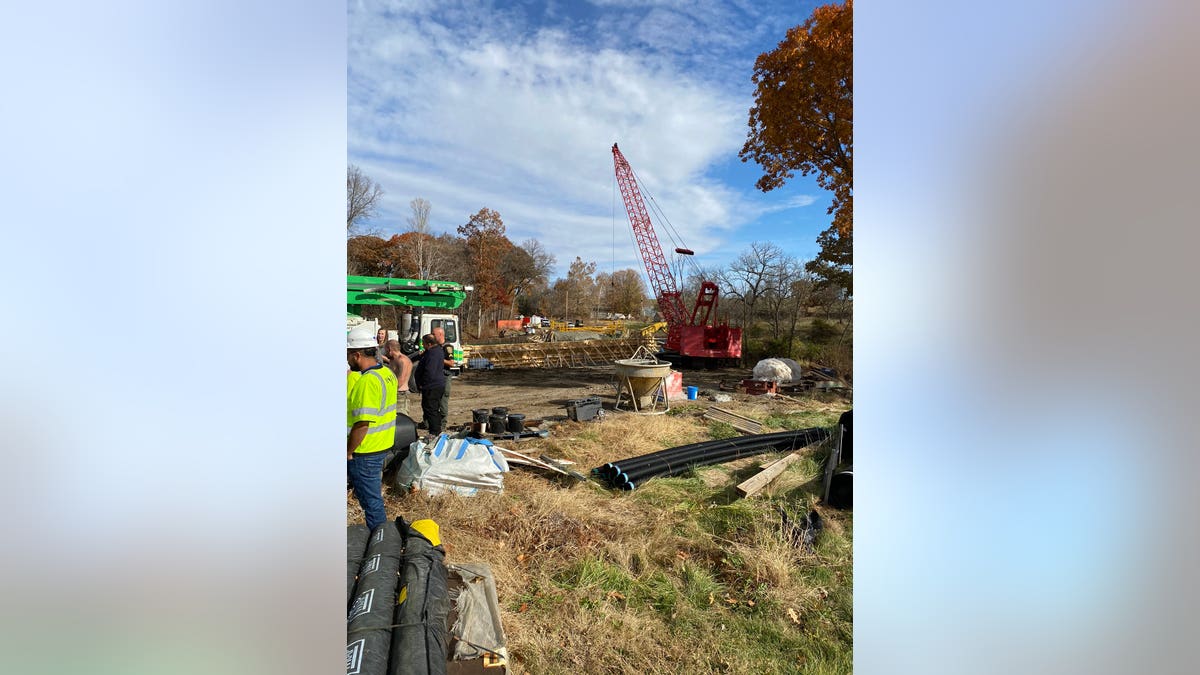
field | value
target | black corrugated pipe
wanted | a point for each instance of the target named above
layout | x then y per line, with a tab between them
681	465
679	468
613	469
665	463
716	452
676	468
633	470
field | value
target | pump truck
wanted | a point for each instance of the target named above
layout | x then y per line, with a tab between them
417	296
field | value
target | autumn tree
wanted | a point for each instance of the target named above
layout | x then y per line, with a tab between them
575	295
487	245
803	118
362	199
372	256
622	292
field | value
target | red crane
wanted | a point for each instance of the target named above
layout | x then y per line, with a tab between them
691	335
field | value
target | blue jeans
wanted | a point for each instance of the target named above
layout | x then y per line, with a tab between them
366	477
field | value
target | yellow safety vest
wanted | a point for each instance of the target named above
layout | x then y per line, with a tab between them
372	399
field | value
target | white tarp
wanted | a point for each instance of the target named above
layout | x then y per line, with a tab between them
783	371
462	465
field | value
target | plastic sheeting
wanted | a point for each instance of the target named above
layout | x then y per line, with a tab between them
462	465
783	371
369	627
477	630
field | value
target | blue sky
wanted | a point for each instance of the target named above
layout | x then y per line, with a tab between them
515	106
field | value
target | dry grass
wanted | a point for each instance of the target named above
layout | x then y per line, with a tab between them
677	576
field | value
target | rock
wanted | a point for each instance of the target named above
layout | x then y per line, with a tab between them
721	398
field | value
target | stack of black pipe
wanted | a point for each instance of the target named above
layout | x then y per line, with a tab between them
369	622
627	474
356	545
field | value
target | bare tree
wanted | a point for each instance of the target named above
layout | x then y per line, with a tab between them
543	260
749	275
789	288
418	224
362	199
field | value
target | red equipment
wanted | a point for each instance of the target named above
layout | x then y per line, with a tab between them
691	336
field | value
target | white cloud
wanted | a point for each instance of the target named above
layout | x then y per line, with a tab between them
470	108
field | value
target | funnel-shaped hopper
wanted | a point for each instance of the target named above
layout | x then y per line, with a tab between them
643	376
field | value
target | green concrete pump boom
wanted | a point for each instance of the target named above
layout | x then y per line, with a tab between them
405	292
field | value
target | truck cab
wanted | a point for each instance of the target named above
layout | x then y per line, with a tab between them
423	324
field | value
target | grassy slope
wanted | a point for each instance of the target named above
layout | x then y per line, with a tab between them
679	576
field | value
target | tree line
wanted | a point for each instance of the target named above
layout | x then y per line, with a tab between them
508	278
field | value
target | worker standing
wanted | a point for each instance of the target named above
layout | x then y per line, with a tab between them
431	380
370	423
439	334
402	367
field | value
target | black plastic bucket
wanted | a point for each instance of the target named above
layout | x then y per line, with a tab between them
479	416
500	411
496	424
516	423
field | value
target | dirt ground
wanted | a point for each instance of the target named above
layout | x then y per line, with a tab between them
542	393
705	583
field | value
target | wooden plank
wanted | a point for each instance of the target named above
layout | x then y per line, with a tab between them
742	424
530	461
759	480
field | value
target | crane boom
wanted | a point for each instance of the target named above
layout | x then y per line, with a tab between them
690	335
661	279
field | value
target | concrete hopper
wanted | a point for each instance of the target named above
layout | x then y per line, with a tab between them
644	380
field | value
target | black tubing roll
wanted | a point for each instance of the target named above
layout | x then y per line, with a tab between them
368	631
421	636
356	545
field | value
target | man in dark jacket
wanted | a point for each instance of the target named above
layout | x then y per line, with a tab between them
431	381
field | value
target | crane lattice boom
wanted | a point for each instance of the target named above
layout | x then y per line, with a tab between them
661	280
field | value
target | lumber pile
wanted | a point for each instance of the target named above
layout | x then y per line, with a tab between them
743	424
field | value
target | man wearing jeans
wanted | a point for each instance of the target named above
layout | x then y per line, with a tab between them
439	335
432	382
370	423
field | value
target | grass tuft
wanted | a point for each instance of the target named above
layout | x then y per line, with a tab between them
680	575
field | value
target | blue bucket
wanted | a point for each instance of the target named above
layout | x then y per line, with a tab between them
692	392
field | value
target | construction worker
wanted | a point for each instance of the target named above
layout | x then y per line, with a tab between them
439	334
431	380
370	422
402	367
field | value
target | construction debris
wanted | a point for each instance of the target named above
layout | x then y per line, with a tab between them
525	460
803	532
743	424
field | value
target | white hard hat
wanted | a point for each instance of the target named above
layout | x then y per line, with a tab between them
361	336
